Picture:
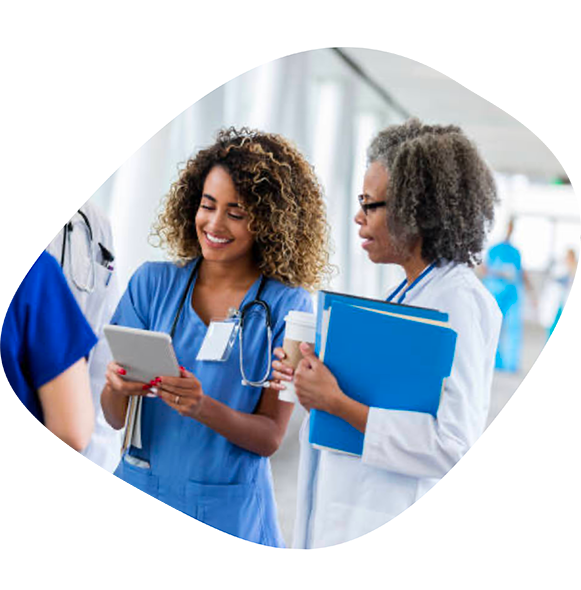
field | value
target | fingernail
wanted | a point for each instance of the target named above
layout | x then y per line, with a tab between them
145	387
157	380
182	368
122	371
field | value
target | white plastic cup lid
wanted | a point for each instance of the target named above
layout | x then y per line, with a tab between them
303	318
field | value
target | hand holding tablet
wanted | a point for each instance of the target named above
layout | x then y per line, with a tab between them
143	354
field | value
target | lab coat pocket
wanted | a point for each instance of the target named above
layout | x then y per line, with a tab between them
233	508
103	277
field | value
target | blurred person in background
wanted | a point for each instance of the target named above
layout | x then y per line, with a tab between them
44	344
557	291
504	276
428	201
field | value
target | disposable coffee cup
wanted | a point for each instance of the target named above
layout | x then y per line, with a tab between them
300	327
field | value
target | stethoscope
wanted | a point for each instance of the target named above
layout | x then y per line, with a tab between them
241	316
422	275
108	258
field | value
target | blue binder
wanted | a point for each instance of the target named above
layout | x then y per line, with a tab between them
326	299
383	361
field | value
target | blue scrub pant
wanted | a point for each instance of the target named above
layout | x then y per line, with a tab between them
508	353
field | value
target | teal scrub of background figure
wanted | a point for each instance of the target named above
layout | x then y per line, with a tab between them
191	467
563	283
42	333
504	279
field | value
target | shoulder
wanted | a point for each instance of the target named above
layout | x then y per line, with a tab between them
93	212
283	298
45	271
47	264
461	294
98	221
158	272
503	249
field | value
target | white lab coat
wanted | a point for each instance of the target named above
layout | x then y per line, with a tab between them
341	497
98	307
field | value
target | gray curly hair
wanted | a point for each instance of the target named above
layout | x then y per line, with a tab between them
440	190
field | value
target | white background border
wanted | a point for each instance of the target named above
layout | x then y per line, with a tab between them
84	88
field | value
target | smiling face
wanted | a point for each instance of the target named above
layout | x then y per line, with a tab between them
377	241
221	223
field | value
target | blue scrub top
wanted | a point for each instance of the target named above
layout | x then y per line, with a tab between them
505	282
193	468
42	333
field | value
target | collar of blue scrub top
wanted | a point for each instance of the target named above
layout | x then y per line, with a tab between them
422	275
257	299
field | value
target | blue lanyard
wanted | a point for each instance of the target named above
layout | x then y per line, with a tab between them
424	273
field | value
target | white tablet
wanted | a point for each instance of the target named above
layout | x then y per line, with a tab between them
144	354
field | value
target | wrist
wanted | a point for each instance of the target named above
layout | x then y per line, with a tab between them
200	409
337	403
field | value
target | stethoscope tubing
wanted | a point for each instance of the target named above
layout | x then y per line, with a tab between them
66	242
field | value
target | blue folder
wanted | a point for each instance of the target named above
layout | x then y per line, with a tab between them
382	361
326	299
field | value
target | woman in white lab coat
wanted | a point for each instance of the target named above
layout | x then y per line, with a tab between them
428	200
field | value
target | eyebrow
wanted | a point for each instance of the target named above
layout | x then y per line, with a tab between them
236	205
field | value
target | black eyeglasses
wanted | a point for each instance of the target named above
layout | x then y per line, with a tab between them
369	206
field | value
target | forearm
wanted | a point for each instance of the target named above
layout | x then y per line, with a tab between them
256	433
114	407
412	443
67	406
351	411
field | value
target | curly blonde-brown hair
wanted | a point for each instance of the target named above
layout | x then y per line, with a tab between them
279	191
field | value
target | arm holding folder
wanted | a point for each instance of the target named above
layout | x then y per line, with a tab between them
427	203
416	443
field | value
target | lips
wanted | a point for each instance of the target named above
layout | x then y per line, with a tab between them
366	241
217	241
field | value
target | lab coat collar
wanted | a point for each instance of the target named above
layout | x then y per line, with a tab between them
438	274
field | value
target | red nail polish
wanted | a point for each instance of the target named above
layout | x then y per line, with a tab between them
145	387
122	372
182	368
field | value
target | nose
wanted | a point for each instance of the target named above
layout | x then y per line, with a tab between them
217	221
359	217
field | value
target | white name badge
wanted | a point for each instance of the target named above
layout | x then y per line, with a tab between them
219	340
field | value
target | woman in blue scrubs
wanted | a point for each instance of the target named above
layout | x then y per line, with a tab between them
44	339
245	220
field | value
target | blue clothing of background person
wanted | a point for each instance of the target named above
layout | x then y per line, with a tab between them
504	281
505	278
44	332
